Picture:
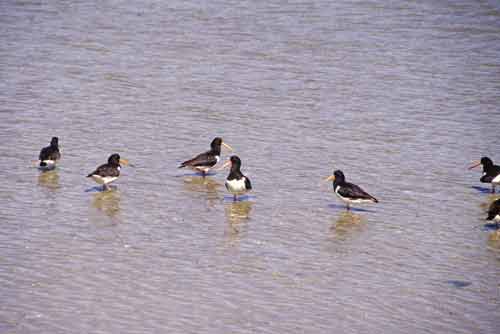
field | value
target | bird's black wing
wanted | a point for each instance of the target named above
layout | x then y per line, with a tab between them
248	184
105	170
495	171
206	159
49	153
487	178
54	155
44	153
350	190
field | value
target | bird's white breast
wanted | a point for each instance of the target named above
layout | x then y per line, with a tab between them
236	186
49	164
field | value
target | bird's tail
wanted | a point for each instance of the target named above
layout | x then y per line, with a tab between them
374	199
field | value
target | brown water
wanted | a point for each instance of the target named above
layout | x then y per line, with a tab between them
399	95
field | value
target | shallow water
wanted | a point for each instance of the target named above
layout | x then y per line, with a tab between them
399	95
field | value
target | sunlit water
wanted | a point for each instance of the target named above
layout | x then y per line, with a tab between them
399	95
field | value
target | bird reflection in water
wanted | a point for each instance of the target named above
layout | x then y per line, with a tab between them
237	214
205	185
347	224
49	179
107	202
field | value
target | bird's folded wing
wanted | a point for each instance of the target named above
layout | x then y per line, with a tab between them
203	159
248	184
105	170
355	192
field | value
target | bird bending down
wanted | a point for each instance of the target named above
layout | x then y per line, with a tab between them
494	212
205	161
236	183
108	172
491	172
49	155
349	192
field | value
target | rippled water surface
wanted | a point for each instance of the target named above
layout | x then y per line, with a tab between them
399	95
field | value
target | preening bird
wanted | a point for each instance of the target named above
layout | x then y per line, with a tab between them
49	155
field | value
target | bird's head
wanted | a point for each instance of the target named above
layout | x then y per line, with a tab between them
216	144
114	159
485	162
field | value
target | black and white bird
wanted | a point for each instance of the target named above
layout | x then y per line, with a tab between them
205	161
494	212
491	172
108	172
236	183
349	192
49	155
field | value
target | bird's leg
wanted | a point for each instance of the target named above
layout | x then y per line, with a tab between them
105	187
492	188
348	207
234	198
203	173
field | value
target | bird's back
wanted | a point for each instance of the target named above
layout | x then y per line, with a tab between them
354	191
203	159
49	153
106	170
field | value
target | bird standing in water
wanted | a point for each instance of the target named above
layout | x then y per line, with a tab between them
349	192
49	155
108	172
491	172
236	183
205	161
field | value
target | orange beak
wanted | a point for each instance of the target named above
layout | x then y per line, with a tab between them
227	146
124	162
330	178
475	164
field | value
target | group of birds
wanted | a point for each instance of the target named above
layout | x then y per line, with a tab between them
238	184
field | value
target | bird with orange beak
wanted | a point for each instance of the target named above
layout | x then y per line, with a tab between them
491	172
108	172
205	161
349	192
236	183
